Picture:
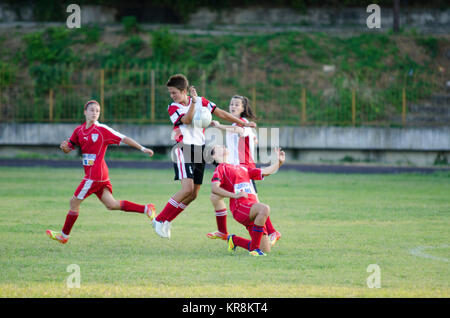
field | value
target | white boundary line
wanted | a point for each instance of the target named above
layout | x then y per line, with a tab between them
419	252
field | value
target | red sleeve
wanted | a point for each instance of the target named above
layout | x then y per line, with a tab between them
218	174
174	114
255	173
73	140
110	136
206	103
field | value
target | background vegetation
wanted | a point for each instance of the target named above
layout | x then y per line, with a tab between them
274	70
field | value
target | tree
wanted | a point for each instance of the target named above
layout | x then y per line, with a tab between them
396	26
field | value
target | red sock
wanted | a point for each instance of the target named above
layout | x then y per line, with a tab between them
171	207
178	210
256	234
131	207
241	242
221	219
269	226
70	220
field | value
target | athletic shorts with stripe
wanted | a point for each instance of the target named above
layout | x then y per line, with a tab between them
241	213
189	162
88	187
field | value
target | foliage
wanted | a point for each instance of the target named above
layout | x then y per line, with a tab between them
277	65
431	44
165	46
130	25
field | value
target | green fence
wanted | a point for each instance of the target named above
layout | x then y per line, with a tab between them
139	95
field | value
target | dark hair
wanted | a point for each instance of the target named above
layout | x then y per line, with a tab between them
212	153
178	81
248	111
89	103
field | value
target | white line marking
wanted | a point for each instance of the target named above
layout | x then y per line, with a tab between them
419	252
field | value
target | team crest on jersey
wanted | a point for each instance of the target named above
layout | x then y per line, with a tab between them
94	137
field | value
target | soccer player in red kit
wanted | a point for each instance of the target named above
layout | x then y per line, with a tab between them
234	182
94	138
241	146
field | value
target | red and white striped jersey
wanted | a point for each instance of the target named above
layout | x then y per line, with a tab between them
93	143
188	134
241	148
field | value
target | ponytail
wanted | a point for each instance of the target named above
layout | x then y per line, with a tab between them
248	111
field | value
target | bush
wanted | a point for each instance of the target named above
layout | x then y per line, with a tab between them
430	44
164	45
130	25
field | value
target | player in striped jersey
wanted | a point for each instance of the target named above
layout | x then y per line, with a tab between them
241	147
94	138
188	153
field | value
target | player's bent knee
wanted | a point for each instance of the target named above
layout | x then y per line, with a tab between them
74	203
194	195
265	211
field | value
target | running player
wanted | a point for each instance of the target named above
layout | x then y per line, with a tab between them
188	153
241	146
233	181
93	138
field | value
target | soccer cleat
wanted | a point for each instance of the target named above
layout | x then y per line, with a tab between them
256	252
158	226
57	236
231	246
274	237
166	228
217	235
151	211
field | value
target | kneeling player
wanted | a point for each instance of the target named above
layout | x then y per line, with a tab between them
93	139
234	182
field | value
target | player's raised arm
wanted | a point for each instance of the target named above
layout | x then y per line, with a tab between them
132	143
229	117
274	168
230	128
187	118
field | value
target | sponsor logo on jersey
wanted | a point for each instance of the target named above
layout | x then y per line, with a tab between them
244	186
89	159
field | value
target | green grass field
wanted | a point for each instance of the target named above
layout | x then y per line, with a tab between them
333	226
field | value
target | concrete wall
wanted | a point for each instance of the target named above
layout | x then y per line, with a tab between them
417	146
411	17
421	18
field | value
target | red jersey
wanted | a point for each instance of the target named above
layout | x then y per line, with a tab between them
236	178
93	143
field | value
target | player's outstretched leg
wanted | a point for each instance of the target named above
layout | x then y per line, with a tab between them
71	218
221	218
127	206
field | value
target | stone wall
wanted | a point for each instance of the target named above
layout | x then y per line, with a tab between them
418	146
313	17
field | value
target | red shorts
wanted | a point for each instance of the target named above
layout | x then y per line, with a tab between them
241	213
87	187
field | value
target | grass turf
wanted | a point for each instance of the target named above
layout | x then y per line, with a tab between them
333	227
